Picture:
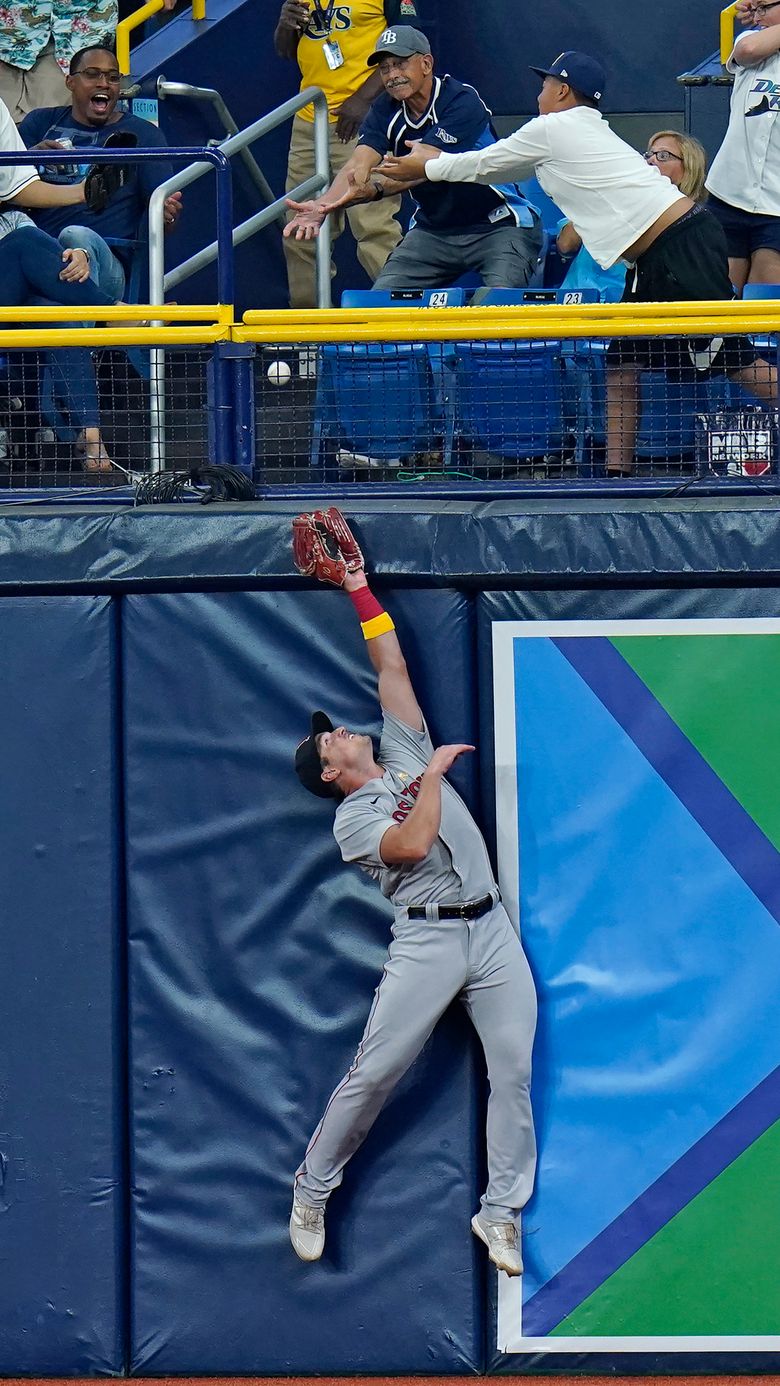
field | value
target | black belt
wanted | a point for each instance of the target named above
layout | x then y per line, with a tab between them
470	909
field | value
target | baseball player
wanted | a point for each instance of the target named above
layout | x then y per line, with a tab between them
400	821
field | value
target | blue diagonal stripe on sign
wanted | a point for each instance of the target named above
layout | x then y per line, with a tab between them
654	1208
679	764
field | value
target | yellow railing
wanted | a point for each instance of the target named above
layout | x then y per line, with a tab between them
529	322
133	21
201	324
727	32
186	325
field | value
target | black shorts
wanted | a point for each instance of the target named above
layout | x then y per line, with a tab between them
687	262
745	232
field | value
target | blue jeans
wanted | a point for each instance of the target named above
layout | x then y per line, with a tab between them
105	269
30	264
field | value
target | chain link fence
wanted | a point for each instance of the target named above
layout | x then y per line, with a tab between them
75	416
514	410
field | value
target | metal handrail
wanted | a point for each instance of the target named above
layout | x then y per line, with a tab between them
727	32
214	98
135	20
159	281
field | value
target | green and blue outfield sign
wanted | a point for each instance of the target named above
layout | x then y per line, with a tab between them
638	811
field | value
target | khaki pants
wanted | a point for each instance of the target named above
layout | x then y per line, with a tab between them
43	85
372	223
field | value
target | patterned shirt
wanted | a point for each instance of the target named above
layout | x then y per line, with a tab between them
25	30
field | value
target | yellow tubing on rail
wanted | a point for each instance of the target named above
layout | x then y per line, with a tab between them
727	32
133	21
526	322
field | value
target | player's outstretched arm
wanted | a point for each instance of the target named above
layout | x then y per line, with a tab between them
325	547
396	693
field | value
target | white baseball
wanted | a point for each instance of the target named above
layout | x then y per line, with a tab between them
279	372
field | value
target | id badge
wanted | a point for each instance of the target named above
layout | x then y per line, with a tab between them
333	54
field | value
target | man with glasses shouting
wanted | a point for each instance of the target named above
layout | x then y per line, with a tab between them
91	121
744	181
623	209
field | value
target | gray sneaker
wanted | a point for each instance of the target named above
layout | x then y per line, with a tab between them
307	1230
502	1242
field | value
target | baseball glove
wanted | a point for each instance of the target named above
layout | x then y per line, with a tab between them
324	546
104	180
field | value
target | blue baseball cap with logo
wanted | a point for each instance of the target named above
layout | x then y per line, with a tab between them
582	72
399	41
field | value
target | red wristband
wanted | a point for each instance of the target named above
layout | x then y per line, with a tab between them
365	604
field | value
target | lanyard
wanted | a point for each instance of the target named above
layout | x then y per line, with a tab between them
324	18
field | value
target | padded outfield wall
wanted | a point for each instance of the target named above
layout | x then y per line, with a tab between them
187	966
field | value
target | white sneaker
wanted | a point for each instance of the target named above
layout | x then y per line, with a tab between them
501	1240
307	1230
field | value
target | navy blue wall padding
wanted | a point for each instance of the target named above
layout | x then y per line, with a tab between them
253	956
62	1248
513	543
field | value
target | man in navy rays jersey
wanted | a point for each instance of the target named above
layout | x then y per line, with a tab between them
455	227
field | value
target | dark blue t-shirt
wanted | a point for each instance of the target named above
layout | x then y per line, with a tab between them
123	213
456	121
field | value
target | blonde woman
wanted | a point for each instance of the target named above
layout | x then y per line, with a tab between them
681	159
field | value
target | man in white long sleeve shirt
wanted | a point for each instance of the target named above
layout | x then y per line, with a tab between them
622	208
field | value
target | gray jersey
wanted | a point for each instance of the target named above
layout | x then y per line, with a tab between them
457	866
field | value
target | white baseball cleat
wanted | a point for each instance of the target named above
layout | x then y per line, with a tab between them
502	1242
307	1230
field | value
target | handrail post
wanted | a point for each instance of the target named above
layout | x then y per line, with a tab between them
126	27
212	158
309	188
135	20
322	170
727	32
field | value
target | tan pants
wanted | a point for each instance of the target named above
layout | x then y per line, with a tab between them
43	85
372	223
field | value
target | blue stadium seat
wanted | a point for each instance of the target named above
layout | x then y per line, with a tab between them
383	402
551	267
376	405
403	298
567	423
509	397
487	298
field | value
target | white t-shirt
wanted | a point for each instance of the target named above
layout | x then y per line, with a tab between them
13	177
606	189
746	169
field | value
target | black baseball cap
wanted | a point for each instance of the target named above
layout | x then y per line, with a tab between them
400	41
308	766
582	72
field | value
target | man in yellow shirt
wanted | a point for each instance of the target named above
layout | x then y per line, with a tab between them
331	42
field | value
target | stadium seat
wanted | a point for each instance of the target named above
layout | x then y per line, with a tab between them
379	403
509	399
488	298
403	298
376	405
568	423
552	267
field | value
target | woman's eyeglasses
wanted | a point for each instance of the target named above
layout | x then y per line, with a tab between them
662	156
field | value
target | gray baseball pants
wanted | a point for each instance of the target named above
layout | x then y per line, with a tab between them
430	962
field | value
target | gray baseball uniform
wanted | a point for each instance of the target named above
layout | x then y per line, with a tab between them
431	961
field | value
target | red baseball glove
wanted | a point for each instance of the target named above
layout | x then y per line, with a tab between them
325	547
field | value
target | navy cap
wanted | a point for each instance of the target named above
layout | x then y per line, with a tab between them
582	72
400	41
308	766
